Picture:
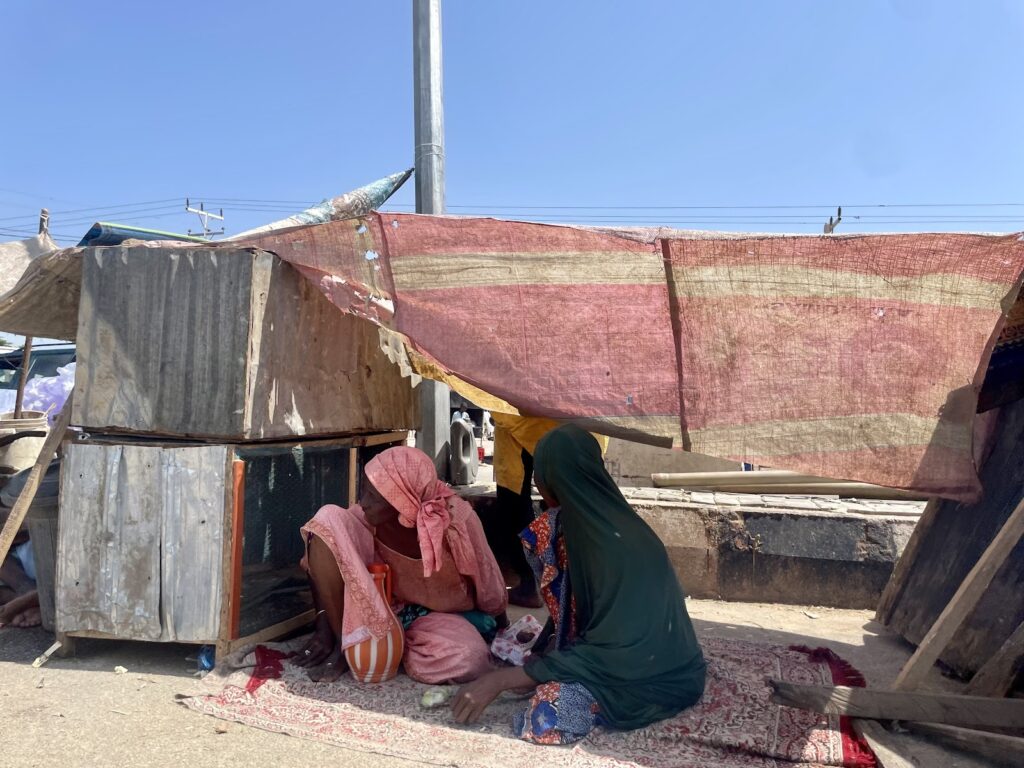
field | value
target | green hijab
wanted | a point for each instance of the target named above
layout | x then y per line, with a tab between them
636	650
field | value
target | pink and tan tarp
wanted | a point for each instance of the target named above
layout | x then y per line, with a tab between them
854	357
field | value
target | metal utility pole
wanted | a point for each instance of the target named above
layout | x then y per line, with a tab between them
204	217
435	398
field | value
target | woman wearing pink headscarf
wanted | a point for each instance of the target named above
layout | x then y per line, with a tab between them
441	568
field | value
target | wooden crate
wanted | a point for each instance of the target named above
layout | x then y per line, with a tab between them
228	345
184	542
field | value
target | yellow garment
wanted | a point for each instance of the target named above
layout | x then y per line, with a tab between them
512	435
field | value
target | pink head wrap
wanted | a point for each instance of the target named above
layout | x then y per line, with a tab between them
407	480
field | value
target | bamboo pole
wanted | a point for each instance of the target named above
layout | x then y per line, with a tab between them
777	481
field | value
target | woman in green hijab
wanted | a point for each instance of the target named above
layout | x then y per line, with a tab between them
622	649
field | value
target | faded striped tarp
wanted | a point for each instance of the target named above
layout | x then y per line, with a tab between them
856	357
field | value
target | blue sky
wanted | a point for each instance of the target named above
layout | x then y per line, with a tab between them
603	104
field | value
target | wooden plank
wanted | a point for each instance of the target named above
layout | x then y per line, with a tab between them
237	539
948	709
35	476
353	475
398	436
952	546
963	602
43	534
191	482
273	632
998	674
898	581
997	747
227	550
883	744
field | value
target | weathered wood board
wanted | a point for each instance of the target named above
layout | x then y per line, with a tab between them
227	345
151	548
140	541
950	546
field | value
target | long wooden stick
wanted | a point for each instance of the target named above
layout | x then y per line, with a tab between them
872	704
35	476
1000	749
26	363
963	602
237	537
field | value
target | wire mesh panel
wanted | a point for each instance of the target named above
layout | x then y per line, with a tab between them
284	487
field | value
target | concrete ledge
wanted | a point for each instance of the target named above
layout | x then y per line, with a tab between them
829	557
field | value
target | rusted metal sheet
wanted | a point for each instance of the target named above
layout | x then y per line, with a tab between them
140	541
226	344
162	343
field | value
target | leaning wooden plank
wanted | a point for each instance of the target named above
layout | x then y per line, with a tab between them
997	747
998	674
963	602
35	476
274	632
898	581
882	744
949	709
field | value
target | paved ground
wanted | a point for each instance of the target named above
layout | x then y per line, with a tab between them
78	713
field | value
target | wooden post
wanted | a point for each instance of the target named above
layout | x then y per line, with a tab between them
353	479
963	602
898	581
872	704
26	363
237	538
999	748
35	476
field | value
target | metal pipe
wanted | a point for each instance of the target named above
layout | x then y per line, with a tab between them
428	95
428	102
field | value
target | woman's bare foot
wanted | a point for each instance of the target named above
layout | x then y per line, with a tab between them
320	645
332	669
12	611
30	617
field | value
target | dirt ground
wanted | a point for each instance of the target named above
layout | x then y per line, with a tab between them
79	713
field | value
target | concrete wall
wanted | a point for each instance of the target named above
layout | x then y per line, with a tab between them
842	560
779	556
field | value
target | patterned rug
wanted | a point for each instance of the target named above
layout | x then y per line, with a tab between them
735	725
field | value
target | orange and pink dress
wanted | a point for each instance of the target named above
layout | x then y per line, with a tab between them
457	573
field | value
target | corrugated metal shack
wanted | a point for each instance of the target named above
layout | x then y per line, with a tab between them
179	515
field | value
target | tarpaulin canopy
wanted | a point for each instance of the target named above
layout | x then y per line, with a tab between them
16	255
855	357
40	298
